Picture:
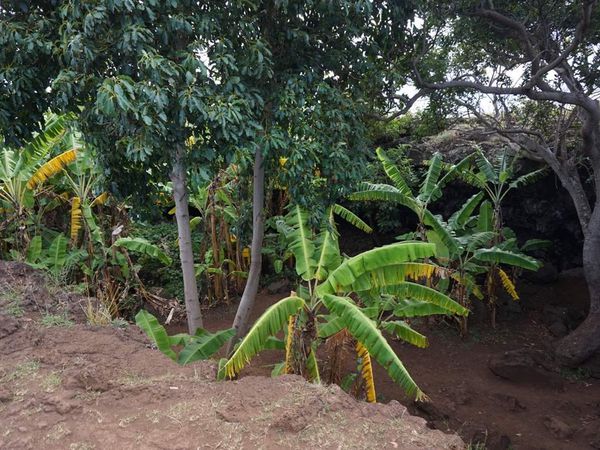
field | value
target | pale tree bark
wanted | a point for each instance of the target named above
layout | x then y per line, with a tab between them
186	254
542	53
242	317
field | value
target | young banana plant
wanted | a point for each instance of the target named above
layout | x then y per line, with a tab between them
329	300
400	192
23	171
475	251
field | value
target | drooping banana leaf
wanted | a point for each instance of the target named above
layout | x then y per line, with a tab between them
498	256
416	308
345	276
144	247
485	167
366	372
203	347
269	324
155	332
365	331
52	167
416	291
386	193
351	218
403	331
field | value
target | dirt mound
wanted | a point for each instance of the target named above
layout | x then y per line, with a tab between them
79	387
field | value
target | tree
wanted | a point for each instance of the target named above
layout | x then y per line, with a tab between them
148	98
547	55
314	57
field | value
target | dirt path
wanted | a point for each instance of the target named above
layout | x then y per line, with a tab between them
71	386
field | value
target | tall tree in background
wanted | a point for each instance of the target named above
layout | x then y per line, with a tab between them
137	73
27	66
548	53
320	63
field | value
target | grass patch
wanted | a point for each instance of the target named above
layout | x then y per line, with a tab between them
51	382
23	370
11	301
56	320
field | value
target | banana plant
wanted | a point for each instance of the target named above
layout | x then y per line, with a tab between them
497	177
400	192
329	300
476	252
201	345
23	172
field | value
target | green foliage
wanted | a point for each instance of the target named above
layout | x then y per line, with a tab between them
143	247
378	277
200	346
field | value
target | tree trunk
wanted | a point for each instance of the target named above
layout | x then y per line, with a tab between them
258	227
186	254
584	341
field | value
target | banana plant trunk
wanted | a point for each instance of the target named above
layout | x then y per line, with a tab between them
246	305
584	341
186	254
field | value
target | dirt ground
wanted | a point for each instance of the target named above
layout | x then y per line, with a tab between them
66	385
84	387
539	407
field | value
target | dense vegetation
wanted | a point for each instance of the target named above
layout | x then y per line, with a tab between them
258	125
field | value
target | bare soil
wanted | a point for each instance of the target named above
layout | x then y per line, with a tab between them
555	408
67	385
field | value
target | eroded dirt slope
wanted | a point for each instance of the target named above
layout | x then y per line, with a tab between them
78	387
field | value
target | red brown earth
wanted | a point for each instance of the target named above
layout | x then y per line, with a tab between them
73	386
112	372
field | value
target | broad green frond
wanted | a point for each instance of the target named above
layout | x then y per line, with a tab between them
300	242
430	190
144	247
328	252
312	367
385	193
529	178
204	346
460	217
343	278
498	256
416	291
403	331
416	308
42	144
443	232
485	221
351	218
393	173
269	324
155	332
365	331
485	167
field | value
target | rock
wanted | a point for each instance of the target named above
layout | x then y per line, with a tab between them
558	329
279	287
525	366
509	402
558	428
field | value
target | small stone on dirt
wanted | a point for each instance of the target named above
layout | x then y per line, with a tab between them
558	428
